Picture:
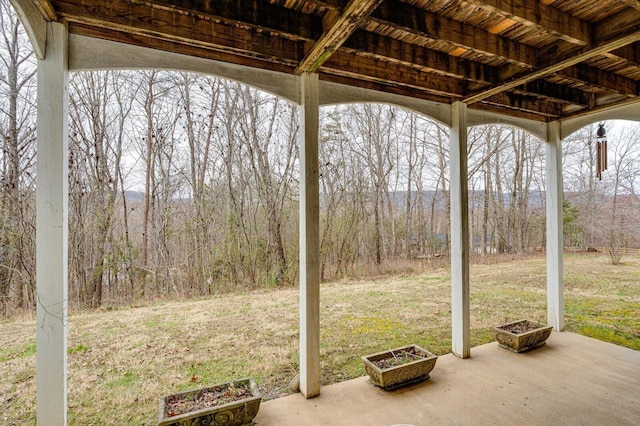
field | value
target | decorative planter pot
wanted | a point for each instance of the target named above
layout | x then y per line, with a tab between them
522	335
399	367
234	403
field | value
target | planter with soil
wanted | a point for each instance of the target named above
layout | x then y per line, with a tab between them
234	403
399	367
522	335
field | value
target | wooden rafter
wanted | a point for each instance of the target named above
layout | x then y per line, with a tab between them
197	50
472	40
374	70
525	102
557	92
124	17
434	27
558	65
285	22
630	53
337	32
616	24
47	10
522	57
600	80
632	3
364	43
541	17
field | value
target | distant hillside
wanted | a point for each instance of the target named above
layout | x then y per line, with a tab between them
536	199
134	195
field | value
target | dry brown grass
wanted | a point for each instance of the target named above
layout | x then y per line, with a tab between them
122	361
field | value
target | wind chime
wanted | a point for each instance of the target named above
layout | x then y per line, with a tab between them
601	151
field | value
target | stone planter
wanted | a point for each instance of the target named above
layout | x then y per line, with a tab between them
522	335
399	367
237	412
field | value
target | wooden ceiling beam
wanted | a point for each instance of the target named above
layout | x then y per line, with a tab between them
629	53
558	92
616	24
200	51
260	15
431	26
606	29
180	28
373	45
541	17
46	8
635	4
524	102
557	65
335	5
539	98
601	80
366	68
336	34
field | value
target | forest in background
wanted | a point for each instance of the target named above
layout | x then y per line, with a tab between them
184	185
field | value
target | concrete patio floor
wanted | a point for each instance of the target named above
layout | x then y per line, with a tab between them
573	380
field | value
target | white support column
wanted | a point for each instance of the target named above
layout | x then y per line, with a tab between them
555	239
52	229
460	325
309	239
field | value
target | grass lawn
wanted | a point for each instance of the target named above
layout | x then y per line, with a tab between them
122	361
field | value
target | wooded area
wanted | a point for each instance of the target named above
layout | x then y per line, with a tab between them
183	185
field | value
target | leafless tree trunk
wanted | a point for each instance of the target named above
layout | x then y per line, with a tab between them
371	129
626	172
200	116
17	131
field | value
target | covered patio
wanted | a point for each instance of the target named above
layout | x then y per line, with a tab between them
547	66
573	380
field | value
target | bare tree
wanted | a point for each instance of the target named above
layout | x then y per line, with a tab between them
98	116
582	188
268	135
370	126
17	155
201	98
626	171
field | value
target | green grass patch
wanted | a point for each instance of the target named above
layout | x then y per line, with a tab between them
126	380
606	319
123	361
77	349
10	353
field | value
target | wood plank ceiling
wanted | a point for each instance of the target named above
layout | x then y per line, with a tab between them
537	59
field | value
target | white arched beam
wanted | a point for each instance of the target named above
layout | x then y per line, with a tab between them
335	93
52	230
629	111
34	22
478	117
87	54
